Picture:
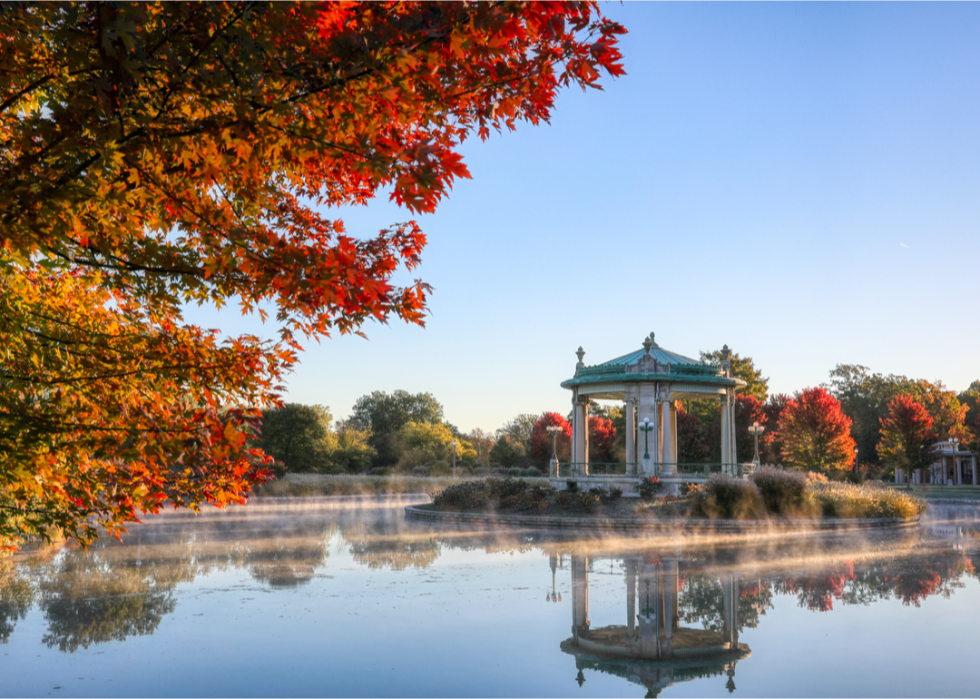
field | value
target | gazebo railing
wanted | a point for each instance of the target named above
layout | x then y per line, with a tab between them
568	469
574	469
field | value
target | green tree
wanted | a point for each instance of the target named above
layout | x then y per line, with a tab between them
352	454
384	414
971	399
864	397
506	453
430	445
519	430
298	436
743	368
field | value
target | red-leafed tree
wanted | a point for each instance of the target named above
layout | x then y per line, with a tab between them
907	437
541	444
815	432
602	439
694	444
158	154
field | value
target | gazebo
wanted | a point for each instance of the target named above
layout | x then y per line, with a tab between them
649	381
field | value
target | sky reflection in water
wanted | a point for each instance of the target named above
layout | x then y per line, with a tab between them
353	600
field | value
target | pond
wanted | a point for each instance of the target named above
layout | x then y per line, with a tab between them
345	597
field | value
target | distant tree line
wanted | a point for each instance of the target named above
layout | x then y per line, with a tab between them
859	424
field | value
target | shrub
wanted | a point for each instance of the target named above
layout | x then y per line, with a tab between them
477	494
533	472
464	496
691	489
525	501
571	486
783	492
614	494
564	498
649	487
588	500
724	497
514	471
814	477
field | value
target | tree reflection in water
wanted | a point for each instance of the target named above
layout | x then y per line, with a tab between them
691	599
17	595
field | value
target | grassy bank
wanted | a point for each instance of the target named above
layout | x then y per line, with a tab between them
312	484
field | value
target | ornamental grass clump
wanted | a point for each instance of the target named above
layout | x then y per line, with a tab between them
846	501
784	492
724	497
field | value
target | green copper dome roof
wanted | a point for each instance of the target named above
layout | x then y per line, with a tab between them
650	363
661	355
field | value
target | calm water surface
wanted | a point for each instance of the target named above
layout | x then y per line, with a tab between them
347	598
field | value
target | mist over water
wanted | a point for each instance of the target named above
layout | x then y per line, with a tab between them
346	597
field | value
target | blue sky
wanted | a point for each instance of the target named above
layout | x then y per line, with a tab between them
799	181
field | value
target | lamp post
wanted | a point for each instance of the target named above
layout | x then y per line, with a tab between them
646	427
855	459
955	441
454	458
554	430
755	429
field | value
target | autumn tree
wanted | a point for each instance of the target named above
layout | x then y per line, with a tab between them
694	441
541	439
602	439
815	432
165	153
948	414
160	154
907	436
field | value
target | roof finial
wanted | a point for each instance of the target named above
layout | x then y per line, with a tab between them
648	343
653	339
726	363
580	354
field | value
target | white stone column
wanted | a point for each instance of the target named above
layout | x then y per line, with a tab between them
732	444
725	441
728	603
580	595
630	433
580	436
673	431
958	470
630	599
670	601
668	447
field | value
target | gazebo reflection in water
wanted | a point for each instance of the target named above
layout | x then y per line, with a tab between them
652	648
